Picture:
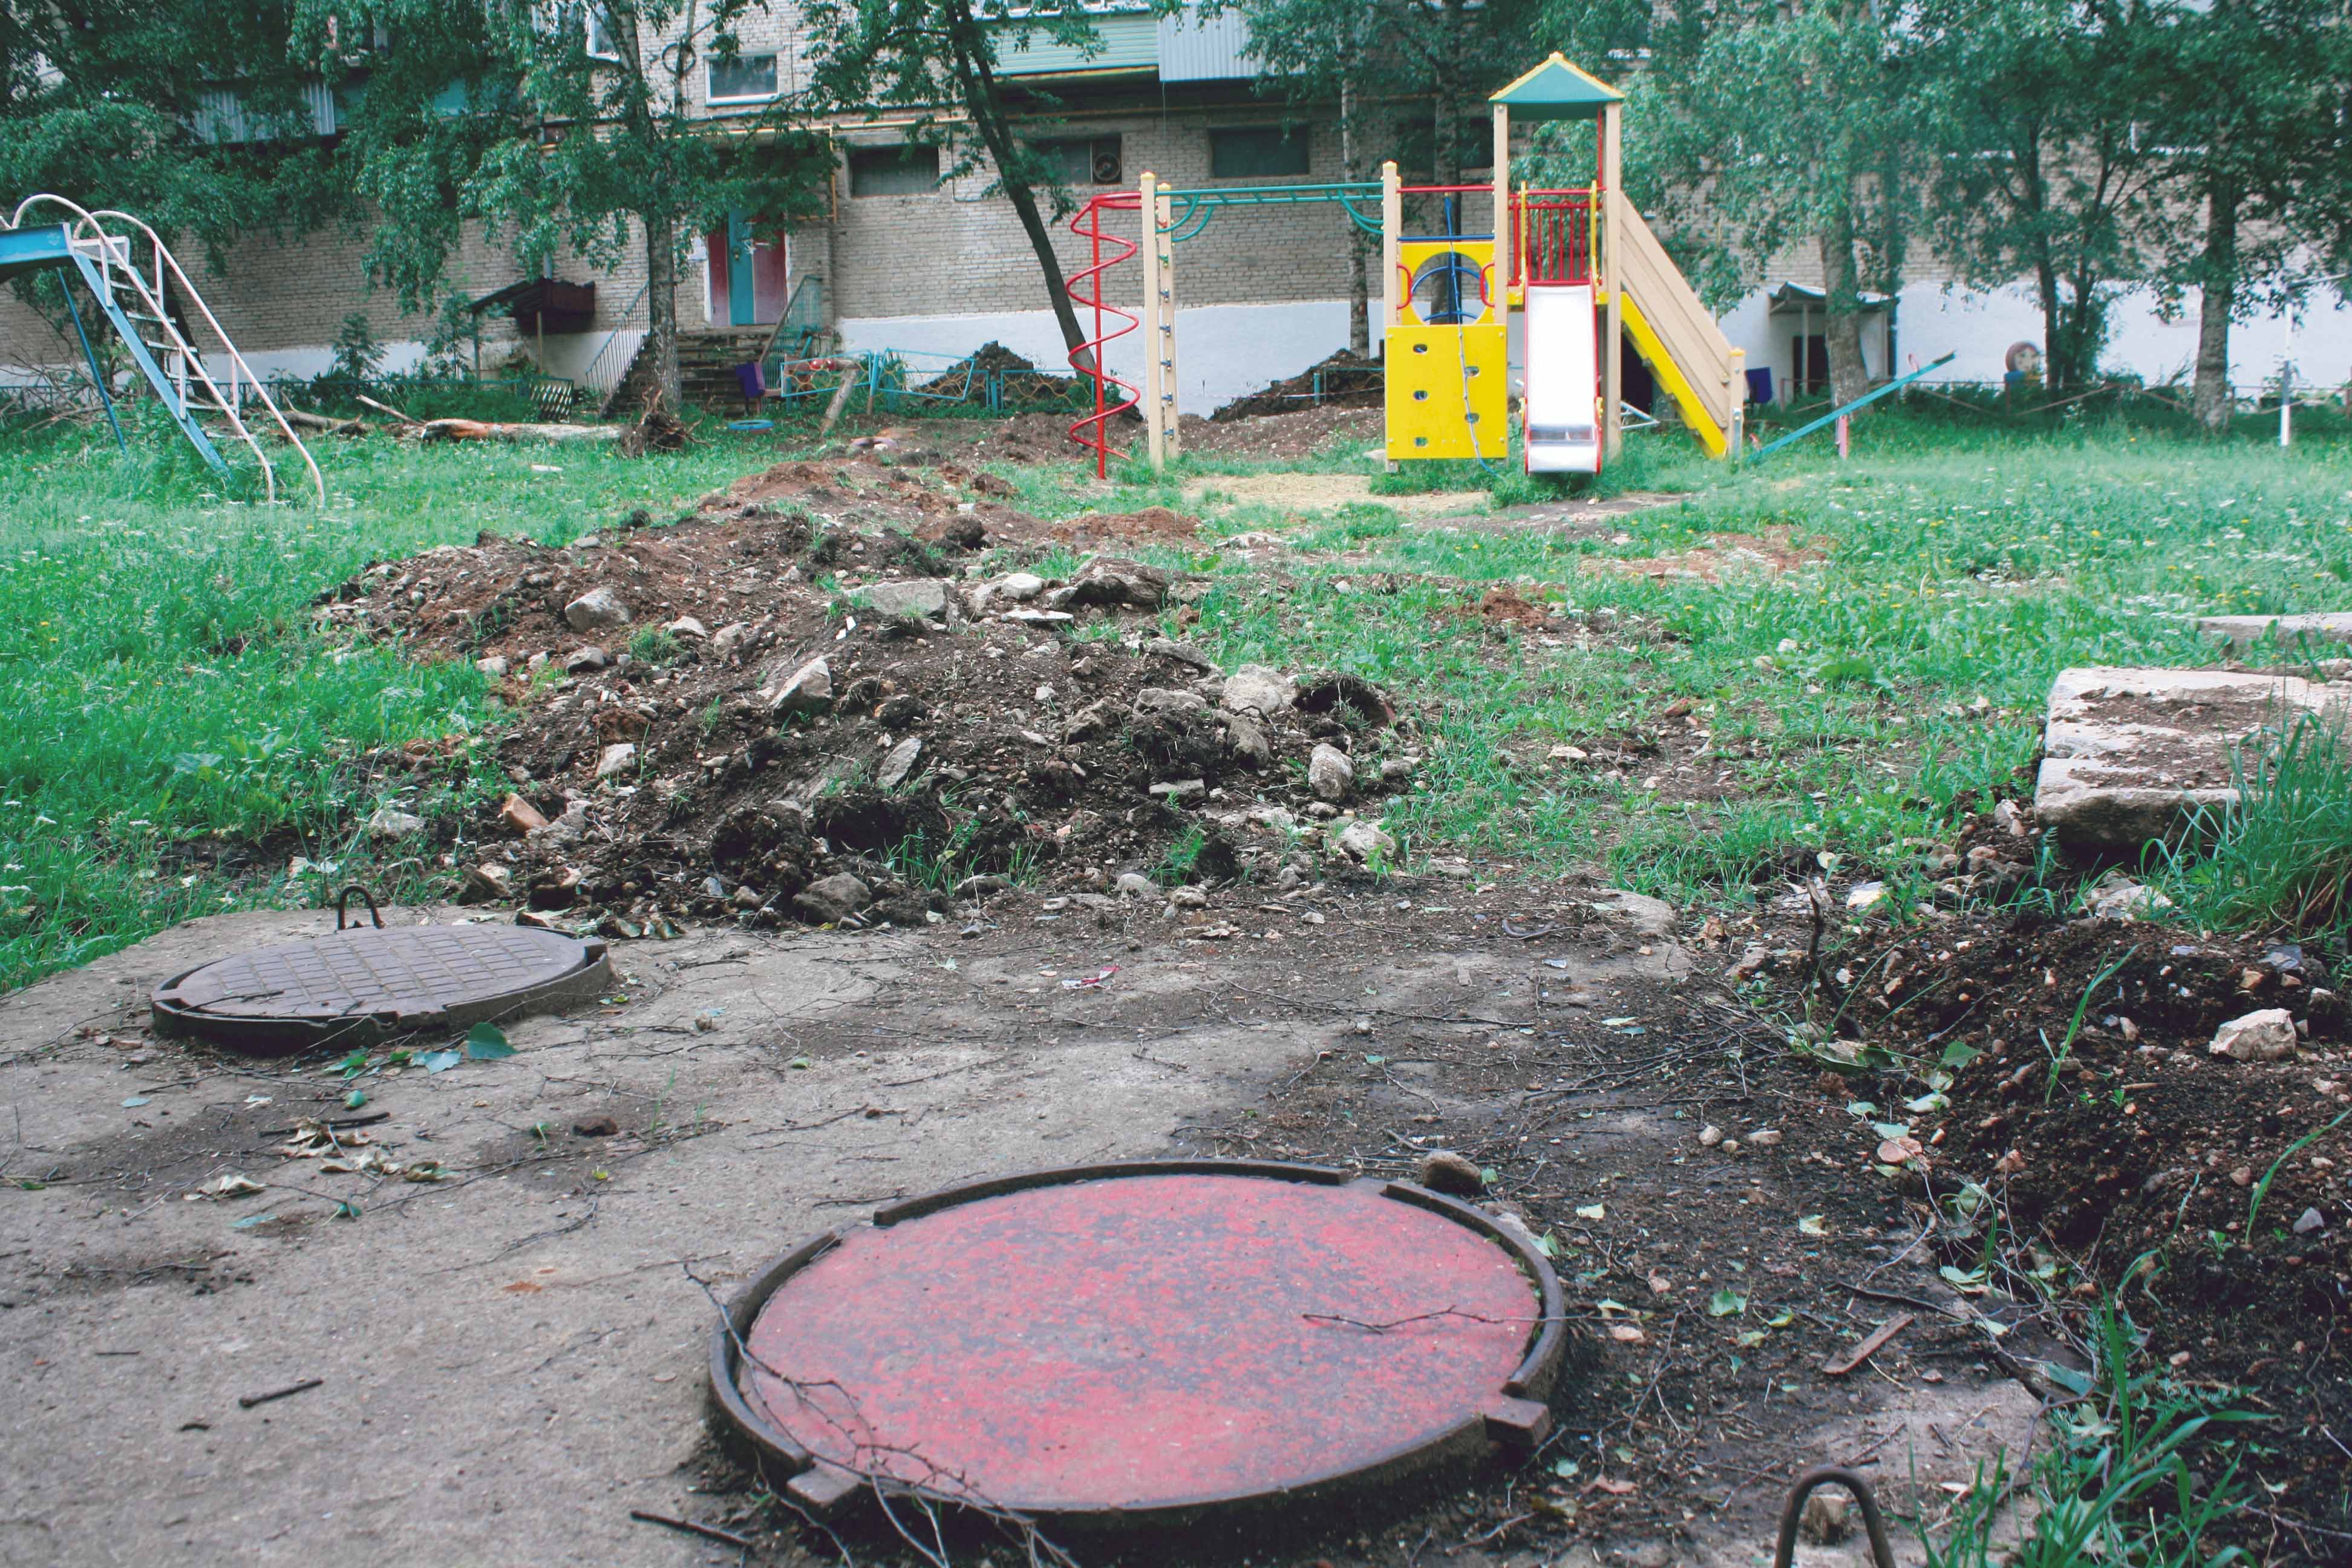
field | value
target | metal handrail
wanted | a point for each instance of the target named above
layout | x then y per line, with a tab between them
108	247
593	378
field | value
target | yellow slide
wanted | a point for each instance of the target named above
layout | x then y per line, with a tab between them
1694	363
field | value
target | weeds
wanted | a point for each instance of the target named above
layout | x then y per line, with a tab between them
2115	1486
2280	854
2064	1052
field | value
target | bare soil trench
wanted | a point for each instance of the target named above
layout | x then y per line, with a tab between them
511	1358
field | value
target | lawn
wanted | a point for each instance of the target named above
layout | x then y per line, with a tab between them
179	734
176	732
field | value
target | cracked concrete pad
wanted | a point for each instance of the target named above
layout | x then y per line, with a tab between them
513	1357
2127	754
2283	631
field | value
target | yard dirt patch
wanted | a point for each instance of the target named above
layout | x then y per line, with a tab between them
1724	556
2131	1157
1328	492
520	1347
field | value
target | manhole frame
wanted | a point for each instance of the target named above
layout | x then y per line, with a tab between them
1515	1422
273	1035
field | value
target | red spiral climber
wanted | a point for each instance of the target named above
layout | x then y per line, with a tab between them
1087	357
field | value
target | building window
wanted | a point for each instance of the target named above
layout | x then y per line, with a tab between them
1256	151
893	171
599	37
1083	160
744	80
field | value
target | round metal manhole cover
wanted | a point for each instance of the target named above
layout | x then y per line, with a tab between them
366	983
1143	1345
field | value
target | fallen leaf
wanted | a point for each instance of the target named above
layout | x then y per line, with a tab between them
487	1042
230	1186
1592	1211
1627	1335
1812	1225
1726	1302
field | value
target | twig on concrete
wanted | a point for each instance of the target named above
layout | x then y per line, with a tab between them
708	1531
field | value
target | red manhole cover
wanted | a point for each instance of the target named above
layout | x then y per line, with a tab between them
1144	1342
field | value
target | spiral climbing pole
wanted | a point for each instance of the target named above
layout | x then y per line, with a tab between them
1092	431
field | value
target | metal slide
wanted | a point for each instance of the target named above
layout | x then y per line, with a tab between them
1694	363
1563	409
195	371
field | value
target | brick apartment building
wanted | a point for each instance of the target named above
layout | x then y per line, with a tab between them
911	257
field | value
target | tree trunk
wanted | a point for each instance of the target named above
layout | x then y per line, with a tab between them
661	228
978	81
661	307
1843	307
1360	293
2218	288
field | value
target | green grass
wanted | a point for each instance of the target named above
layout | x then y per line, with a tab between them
2278	857
1858	703
2119	1483
177	733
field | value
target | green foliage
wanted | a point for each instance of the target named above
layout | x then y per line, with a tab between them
2277	859
105	103
500	114
178	734
2117	1486
357	355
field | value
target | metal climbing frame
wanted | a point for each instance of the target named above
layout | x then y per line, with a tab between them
105	247
1186	213
1086	359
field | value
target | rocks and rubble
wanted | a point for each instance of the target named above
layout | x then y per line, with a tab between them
943	711
2129	753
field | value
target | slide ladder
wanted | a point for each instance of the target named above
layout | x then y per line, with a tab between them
196	373
1694	363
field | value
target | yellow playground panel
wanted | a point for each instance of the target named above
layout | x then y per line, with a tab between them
1448	368
1448	392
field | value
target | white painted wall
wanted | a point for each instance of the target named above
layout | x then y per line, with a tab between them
1934	319
1223	352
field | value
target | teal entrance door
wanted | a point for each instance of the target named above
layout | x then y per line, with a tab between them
742	297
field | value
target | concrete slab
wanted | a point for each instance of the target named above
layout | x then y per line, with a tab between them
2129	753
2284	631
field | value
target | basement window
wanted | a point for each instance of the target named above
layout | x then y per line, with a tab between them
1256	151
747	79
894	170
1083	160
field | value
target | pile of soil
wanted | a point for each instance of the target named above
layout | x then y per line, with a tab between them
746	739
1301	432
2133	1157
1347	380
1021	384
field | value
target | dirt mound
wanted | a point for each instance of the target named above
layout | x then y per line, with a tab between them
702	733
1016	380
2085	1137
1345	380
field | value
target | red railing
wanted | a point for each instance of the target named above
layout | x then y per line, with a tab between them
1553	238
1086	359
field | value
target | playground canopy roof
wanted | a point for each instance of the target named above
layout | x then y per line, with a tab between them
1557	90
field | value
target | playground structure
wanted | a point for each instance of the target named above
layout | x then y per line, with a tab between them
131	274
1578	263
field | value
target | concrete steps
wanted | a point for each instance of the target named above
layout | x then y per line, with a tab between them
706	369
